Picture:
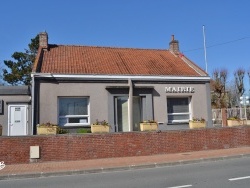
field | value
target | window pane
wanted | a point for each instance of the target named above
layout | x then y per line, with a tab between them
177	105
62	121
73	106
122	113
178	117
78	120
178	110
143	108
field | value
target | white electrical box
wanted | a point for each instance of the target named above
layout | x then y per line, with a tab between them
34	152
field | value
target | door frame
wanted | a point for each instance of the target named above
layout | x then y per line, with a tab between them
25	121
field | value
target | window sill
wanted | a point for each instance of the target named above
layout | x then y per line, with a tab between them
75	125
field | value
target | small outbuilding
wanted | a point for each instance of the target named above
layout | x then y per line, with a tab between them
15	110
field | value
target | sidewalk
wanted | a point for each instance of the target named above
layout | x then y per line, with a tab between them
45	169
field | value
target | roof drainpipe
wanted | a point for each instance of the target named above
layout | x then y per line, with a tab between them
130	105
32	103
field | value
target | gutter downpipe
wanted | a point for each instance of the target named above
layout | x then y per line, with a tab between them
130	104
32	103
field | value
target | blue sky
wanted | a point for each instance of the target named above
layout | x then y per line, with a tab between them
135	24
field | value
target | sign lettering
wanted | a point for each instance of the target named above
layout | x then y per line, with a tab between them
179	89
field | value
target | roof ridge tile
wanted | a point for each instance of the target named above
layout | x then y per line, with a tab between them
108	47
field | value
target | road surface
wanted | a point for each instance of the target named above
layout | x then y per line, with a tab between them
219	174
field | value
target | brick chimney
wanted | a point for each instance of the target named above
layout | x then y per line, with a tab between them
43	40
174	45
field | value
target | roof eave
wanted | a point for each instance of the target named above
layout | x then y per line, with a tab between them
122	77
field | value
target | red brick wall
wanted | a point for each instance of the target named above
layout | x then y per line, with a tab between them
89	146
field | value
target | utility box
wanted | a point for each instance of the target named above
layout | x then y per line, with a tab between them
34	152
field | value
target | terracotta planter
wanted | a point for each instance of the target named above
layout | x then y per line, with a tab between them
232	123
197	125
47	130
148	126
100	128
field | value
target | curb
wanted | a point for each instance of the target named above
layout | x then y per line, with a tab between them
121	168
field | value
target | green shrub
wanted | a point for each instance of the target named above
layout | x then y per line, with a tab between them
62	131
83	130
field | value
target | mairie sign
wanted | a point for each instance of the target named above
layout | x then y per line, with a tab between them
179	89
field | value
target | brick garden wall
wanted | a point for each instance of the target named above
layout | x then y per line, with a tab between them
89	146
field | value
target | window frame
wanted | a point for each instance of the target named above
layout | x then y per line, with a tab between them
67	124
183	113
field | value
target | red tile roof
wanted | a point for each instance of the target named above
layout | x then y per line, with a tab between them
63	59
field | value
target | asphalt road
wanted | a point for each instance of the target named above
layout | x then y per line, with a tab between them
233	173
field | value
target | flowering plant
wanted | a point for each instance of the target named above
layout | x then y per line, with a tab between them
201	120
149	121
48	124
103	122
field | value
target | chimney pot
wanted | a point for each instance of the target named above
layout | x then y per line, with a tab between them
172	38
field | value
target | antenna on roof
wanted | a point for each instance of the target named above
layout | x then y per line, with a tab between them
205	48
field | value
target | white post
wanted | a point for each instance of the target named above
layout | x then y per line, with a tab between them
246	102
130	105
205	48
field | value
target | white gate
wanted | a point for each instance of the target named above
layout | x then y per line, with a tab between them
217	117
241	113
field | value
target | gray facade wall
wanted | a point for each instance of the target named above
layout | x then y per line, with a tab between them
200	103
101	100
97	93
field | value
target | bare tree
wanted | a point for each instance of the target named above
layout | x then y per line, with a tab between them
231	94
219	88
239	82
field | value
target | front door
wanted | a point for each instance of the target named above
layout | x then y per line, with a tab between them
17	120
121	114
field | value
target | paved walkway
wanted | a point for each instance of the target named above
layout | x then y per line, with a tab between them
44	169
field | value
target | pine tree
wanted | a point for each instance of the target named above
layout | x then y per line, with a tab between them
19	71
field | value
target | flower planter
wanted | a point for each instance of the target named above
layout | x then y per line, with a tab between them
197	125
100	128
248	122
47	130
232	123
148	126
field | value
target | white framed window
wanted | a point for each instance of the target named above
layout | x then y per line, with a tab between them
178	110
73	111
